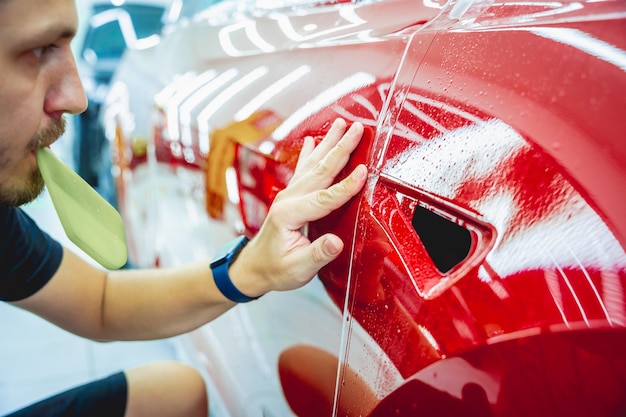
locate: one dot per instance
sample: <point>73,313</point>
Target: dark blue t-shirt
<point>29,257</point>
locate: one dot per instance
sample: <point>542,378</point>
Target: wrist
<point>245,275</point>
<point>221,269</point>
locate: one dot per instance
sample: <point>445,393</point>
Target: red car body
<point>484,272</point>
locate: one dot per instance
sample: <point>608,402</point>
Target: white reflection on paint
<point>322,100</point>
<point>271,91</point>
<point>227,94</point>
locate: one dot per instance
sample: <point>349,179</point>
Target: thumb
<point>325,249</point>
<point>316,256</point>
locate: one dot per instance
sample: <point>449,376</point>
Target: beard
<point>25,190</point>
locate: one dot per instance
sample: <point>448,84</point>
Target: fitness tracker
<point>219,266</point>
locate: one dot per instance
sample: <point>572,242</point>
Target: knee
<point>166,389</point>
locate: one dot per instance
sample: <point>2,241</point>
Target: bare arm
<point>157,303</point>
<point>129,304</point>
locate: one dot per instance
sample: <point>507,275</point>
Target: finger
<point>311,258</point>
<point>322,251</point>
<point>319,203</point>
<point>323,173</point>
<point>304,262</point>
<point>332,137</point>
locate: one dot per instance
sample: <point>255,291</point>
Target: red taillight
<point>260,177</point>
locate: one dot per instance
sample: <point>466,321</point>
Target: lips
<point>49,135</point>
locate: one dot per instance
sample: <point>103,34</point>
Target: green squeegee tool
<point>88,219</point>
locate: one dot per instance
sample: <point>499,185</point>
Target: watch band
<point>220,265</point>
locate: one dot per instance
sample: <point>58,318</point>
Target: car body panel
<point>484,267</point>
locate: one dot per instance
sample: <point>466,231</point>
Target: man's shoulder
<point>29,257</point>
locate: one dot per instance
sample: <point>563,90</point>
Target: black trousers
<point>102,398</point>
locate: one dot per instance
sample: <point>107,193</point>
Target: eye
<point>40,52</point>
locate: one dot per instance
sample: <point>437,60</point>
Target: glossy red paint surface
<point>419,316</point>
<point>391,295</point>
<point>484,272</point>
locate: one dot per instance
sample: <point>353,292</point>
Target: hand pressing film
<point>88,219</point>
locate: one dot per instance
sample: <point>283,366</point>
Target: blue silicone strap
<point>221,276</point>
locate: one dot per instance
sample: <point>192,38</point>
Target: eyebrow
<point>50,34</point>
<point>56,32</point>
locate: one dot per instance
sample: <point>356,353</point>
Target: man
<point>39,85</point>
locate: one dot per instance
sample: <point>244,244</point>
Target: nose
<point>66,93</point>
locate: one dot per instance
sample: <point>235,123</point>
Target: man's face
<point>39,85</point>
